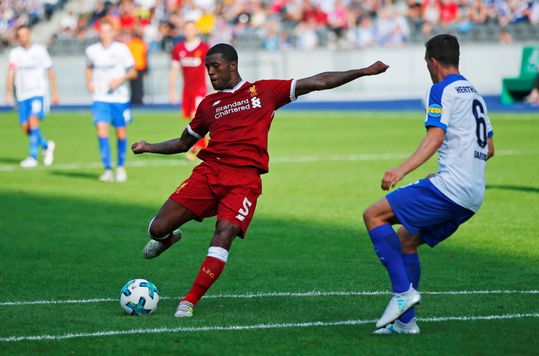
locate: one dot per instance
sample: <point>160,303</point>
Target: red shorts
<point>216,189</point>
<point>190,103</point>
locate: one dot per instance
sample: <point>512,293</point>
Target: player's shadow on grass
<point>9,160</point>
<point>82,175</point>
<point>517,188</point>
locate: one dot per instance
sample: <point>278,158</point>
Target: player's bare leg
<point>378,218</point>
<point>211,268</point>
<point>164,228</point>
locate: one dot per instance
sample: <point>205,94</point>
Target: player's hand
<point>172,97</point>
<point>114,84</point>
<point>55,99</point>
<point>9,99</point>
<point>391,178</point>
<point>376,68</point>
<point>90,86</point>
<point>139,147</point>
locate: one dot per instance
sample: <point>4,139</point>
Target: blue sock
<point>388,248</point>
<point>33,136</point>
<point>122,147</point>
<point>104,150</point>
<point>43,142</point>
<point>413,271</point>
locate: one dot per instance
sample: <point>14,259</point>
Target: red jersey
<point>191,60</point>
<point>239,120</point>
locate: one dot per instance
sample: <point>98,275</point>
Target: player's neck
<point>233,83</point>
<point>106,44</point>
<point>444,72</point>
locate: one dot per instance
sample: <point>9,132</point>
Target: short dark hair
<point>444,48</point>
<point>227,51</point>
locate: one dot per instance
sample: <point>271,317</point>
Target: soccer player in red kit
<point>227,183</point>
<point>189,55</point>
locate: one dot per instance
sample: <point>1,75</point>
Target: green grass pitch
<point>66,236</point>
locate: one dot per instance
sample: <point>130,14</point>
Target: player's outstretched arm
<point>330,80</point>
<point>428,147</point>
<point>176,145</point>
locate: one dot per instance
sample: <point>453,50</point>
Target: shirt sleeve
<point>437,112</point>
<point>89,62</point>
<point>128,60</point>
<point>284,91</point>
<point>47,61</point>
<point>198,126</point>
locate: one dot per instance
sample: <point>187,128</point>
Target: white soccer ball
<point>139,297</point>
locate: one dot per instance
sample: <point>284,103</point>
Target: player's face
<point>23,37</point>
<point>190,31</point>
<point>220,71</point>
<point>106,34</point>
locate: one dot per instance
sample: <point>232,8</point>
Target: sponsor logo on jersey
<point>256,103</point>
<point>190,61</point>
<point>216,102</point>
<point>435,110</point>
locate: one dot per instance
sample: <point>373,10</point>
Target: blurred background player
<point>431,209</point>
<point>189,55</point>
<point>110,66</point>
<point>227,183</point>
<point>27,65</point>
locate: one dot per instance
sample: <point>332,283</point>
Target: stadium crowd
<point>280,24</point>
<point>14,13</point>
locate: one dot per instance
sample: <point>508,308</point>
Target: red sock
<point>209,272</point>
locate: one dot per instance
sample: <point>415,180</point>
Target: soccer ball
<point>139,297</point>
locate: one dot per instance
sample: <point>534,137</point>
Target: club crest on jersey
<point>252,90</point>
<point>435,110</point>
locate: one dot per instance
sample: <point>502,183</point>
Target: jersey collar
<point>239,85</point>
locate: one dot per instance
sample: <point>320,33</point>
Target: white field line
<point>291,159</point>
<point>185,329</point>
<point>272,295</point>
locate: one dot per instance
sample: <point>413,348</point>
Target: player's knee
<point>156,229</point>
<point>369,215</point>
<point>408,246</point>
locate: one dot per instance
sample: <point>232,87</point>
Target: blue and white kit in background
<point>455,106</point>
<point>31,65</point>
<point>110,63</point>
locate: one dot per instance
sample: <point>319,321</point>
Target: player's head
<point>222,66</point>
<point>106,32</point>
<point>190,31</point>
<point>23,35</point>
<point>442,52</point>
